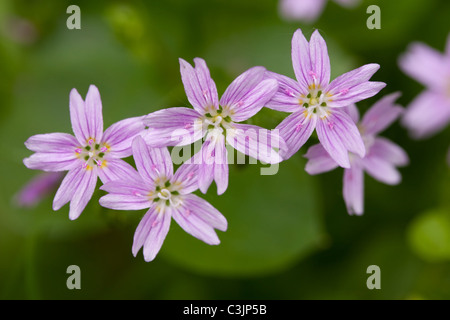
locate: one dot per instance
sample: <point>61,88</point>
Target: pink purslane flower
<point>307,10</point>
<point>381,160</point>
<point>217,121</point>
<point>167,195</point>
<point>317,104</point>
<point>88,154</point>
<point>430,111</point>
<point>37,188</point>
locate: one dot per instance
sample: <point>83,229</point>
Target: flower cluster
<point>315,103</point>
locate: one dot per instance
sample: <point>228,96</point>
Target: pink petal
<point>221,165</point>
<point>320,61</point>
<point>256,142</point>
<point>205,211</point>
<point>391,152</point>
<point>173,127</point>
<point>287,97</point>
<point>295,130</point>
<point>381,115</point>
<point>304,10</point>
<point>116,169</point>
<point>126,195</point>
<point>252,102</point>
<point>338,134</point>
<point>151,163</point>
<point>68,187</point>
<point>195,219</point>
<point>381,169</point>
<point>427,114</point>
<point>187,177</point>
<point>352,111</point>
<point>151,232</point>
<point>199,86</point>
<point>248,93</point>
<point>37,188</point>
<point>353,189</point>
<point>301,60</point>
<point>213,164</point>
<point>86,117</point>
<point>83,192</point>
<point>120,135</point>
<point>425,64</point>
<point>55,152</point>
<point>243,84</point>
<point>52,161</point>
<point>319,160</point>
<point>53,143</point>
<point>94,114</point>
<point>353,86</point>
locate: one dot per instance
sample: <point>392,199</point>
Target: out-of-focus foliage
<point>289,235</point>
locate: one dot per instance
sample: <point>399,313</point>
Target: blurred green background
<point>289,235</point>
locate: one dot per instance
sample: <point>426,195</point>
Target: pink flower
<point>217,121</point>
<point>37,188</point>
<point>380,161</point>
<point>166,195</point>
<point>307,10</point>
<point>317,104</point>
<point>88,154</point>
<point>430,111</point>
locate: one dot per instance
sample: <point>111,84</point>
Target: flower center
<point>92,154</point>
<point>217,119</point>
<point>166,194</point>
<point>315,101</point>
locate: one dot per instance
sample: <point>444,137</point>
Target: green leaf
<point>273,221</point>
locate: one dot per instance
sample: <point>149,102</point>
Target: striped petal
<point>173,127</point>
<point>320,61</point>
<point>353,189</point>
<point>126,195</point>
<point>116,169</point>
<point>319,160</point>
<point>199,86</point>
<point>353,86</point>
<point>151,163</point>
<point>151,232</point>
<point>196,217</point>
<point>287,97</point>
<point>295,130</point>
<point>86,117</point>
<point>381,115</point>
<point>338,134</point>
<point>256,142</point>
<point>120,135</point>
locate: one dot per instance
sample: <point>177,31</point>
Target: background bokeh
<point>289,235</point>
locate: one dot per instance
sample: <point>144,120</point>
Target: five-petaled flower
<point>317,104</point>
<point>217,121</point>
<point>90,154</point>
<point>430,111</point>
<point>167,195</point>
<point>380,161</point>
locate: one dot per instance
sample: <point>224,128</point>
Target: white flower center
<point>92,154</point>
<point>166,194</point>
<point>315,102</point>
<point>217,120</point>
